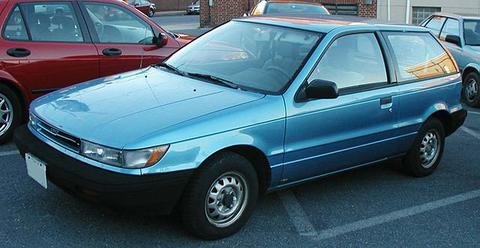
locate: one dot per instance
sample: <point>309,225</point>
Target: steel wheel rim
<point>430,148</point>
<point>471,90</point>
<point>226,199</point>
<point>6,114</point>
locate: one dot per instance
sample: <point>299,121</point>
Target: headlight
<point>128,159</point>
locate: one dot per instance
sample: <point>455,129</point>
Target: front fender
<point>266,137</point>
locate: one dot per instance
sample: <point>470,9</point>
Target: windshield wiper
<point>215,80</point>
<point>172,68</point>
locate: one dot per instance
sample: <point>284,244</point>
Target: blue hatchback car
<point>253,106</point>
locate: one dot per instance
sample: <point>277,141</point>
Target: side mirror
<point>453,39</point>
<point>161,40</point>
<point>321,89</point>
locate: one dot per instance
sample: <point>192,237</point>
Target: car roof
<point>327,23</point>
<point>457,16</point>
<point>293,1</point>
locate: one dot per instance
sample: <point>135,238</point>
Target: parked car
<point>461,34</point>
<point>256,105</point>
<point>287,7</point>
<point>194,8</point>
<point>145,6</point>
<point>47,45</point>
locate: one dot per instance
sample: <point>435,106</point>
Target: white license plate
<point>36,169</point>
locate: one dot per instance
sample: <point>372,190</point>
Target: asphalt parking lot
<point>378,206</point>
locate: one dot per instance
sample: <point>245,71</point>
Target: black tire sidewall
<point>412,160</point>
<point>476,101</point>
<point>17,112</point>
<point>193,202</point>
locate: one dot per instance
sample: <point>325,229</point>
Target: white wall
<point>398,7</point>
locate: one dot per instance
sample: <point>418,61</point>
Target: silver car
<point>461,34</point>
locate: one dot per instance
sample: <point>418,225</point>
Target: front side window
<point>435,24</point>
<point>255,56</point>
<point>295,8</point>
<point>472,32</point>
<point>419,56</point>
<point>114,24</point>
<point>452,27</point>
<point>15,27</point>
<point>352,61</point>
<point>52,21</point>
<point>259,8</point>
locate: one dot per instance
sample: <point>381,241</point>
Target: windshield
<point>472,32</point>
<point>295,8</point>
<point>250,55</point>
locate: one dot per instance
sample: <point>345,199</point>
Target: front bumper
<point>157,192</point>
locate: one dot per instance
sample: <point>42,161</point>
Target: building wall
<point>398,8</point>
<point>166,5</point>
<point>225,10</point>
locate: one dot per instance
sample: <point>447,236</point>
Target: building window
<point>342,9</point>
<point>421,13</point>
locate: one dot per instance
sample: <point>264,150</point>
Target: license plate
<point>36,169</point>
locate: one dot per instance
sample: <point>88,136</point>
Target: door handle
<point>112,52</point>
<point>386,103</point>
<point>18,52</point>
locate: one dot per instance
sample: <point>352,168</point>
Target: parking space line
<point>470,131</point>
<point>297,215</point>
<point>473,113</point>
<point>381,219</point>
<point>8,153</point>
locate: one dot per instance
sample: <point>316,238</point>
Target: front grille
<point>64,139</point>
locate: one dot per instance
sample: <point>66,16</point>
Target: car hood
<point>116,111</point>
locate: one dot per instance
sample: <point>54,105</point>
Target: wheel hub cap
<point>226,199</point>
<point>471,90</point>
<point>429,148</point>
<point>6,114</point>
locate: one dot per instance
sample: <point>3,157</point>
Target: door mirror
<point>161,40</point>
<point>453,39</point>
<point>321,89</point>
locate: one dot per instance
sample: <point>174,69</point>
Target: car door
<point>57,50</point>
<point>123,39</point>
<point>358,127</point>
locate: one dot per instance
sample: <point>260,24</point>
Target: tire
<point>222,172</point>
<point>471,90</point>
<point>427,150</point>
<point>10,113</point>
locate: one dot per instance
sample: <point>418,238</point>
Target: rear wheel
<point>10,113</point>
<point>471,91</point>
<point>425,154</point>
<point>221,197</point>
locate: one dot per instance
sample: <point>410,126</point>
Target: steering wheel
<point>278,69</point>
<point>99,28</point>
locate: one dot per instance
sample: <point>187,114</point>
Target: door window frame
<point>387,60</point>
<point>93,31</point>
<point>76,11</point>
<point>445,23</point>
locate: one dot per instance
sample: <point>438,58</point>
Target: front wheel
<point>150,13</point>
<point>471,91</point>
<point>426,152</point>
<point>221,197</point>
<point>10,113</point>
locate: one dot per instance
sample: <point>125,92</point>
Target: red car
<point>145,6</point>
<point>47,45</point>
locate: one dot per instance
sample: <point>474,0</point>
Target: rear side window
<point>435,24</point>
<point>352,61</point>
<point>419,56</point>
<point>452,27</point>
<point>52,21</point>
<point>15,27</point>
